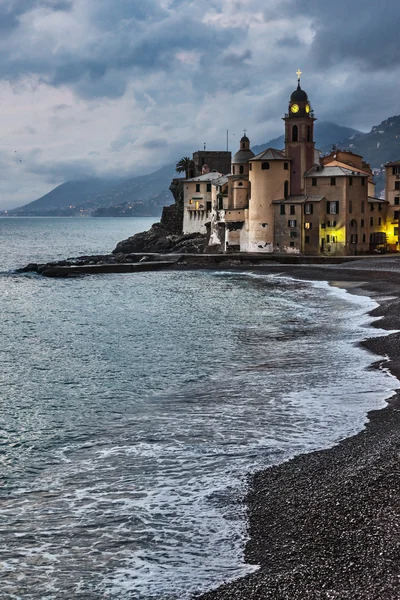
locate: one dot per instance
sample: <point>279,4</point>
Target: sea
<point>134,406</point>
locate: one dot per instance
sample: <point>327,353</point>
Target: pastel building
<point>293,200</point>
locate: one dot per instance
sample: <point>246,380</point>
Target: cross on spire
<point>298,73</point>
<point>244,131</point>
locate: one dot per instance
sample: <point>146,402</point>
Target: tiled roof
<point>299,199</point>
<point>271,154</point>
<point>336,171</point>
<point>395,163</point>
<point>221,180</point>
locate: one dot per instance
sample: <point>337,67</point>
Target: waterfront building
<point>294,200</point>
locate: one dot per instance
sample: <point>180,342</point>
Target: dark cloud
<point>237,59</point>
<point>290,42</point>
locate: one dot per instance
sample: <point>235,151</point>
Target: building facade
<point>294,200</point>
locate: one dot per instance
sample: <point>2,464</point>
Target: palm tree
<point>184,166</point>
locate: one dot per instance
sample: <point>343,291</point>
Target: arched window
<point>240,183</point>
<point>295,133</point>
<point>265,166</point>
<point>241,169</point>
<point>308,134</point>
<point>233,170</point>
<point>286,189</point>
<point>243,146</point>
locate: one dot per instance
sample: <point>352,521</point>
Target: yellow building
<point>295,201</point>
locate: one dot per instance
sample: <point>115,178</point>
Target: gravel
<point>326,525</point>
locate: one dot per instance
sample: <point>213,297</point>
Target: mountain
<point>145,195</point>
<point>379,146</point>
<point>68,194</point>
<point>326,134</point>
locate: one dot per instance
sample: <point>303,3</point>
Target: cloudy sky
<point>121,87</point>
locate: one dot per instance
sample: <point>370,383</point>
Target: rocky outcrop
<point>160,239</point>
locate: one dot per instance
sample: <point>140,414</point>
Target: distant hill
<point>326,134</point>
<point>379,146</point>
<point>146,195</point>
<point>70,193</point>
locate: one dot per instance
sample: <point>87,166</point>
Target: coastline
<point>325,524</point>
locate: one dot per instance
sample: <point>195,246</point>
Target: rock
<point>160,239</point>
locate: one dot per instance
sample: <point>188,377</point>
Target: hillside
<point>146,195</point>
<point>379,146</point>
<point>326,134</point>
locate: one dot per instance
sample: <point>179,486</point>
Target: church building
<point>293,200</point>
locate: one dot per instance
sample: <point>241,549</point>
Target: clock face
<point>307,108</point>
<point>295,108</point>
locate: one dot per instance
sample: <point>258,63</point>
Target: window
<point>397,200</point>
<point>197,205</point>
<point>292,209</point>
<point>395,170</point>
<point>396,215</point>
<point>332,208</point>
<point>243,146</point>
<point>350,181</point>
<point>295,133</point>
<point>208,187</point>
<point>240,184</point>
<point>308,209</point>
<point>208,206</point>
<point>396,231</point>
<point>362,206</point>
<point>362,180</point>
<point>371,221</point>
<point>380,207</point>
<point>286,166</point>
<point>371,207</point>
<point>333,180</point>
<point>197,187</point>
<point>363,238</point>
<point>397,185</point>
<point>362,222</point>
<point>292,244</point>
<point>331,223</point>
<point>307,239</point>
<point>233,169</point>
<point>292,223</point>
<point>328,238</point>
<point>241,169</point>
<point>353,238</point>
<point>220,203</point>
<point>350,206</point>
<point>283,209</point>
<point>307,225</point>
<point>293,234</point>
<point>250,166</point>
<point>286,189</point>
<point>308,134</point>
<point>265,166</point>
<point>314,181</point>
<point>190,201</point>
<point>379,221</point>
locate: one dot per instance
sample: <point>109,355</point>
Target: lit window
<point>197,205</point>
<point>307,225</point>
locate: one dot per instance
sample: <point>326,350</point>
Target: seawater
<point>133,406</point>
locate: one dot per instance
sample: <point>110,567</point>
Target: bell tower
<point>299,137</point>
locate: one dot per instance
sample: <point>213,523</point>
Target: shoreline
<point>325,524</point>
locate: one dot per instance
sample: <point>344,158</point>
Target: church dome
<point>242,156</point>
<point>299,95</point>
<point>245,139</point>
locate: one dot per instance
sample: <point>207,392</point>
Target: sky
<point>118,88</point>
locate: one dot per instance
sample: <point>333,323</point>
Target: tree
<point>184,166</point>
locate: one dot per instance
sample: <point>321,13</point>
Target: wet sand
<point>326,525</point>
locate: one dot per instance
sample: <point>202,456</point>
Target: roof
<point>339,163</point>
<point>242,156</point>
<point>207,177</point>
<point>334,171</point>
<point>299,95</point>
<point>379,200</point>
<point>299,199</point>
<point>271,154</point>
<point>394,163</point>
<point>221,180</point>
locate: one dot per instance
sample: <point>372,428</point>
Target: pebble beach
<point>326,525</point>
